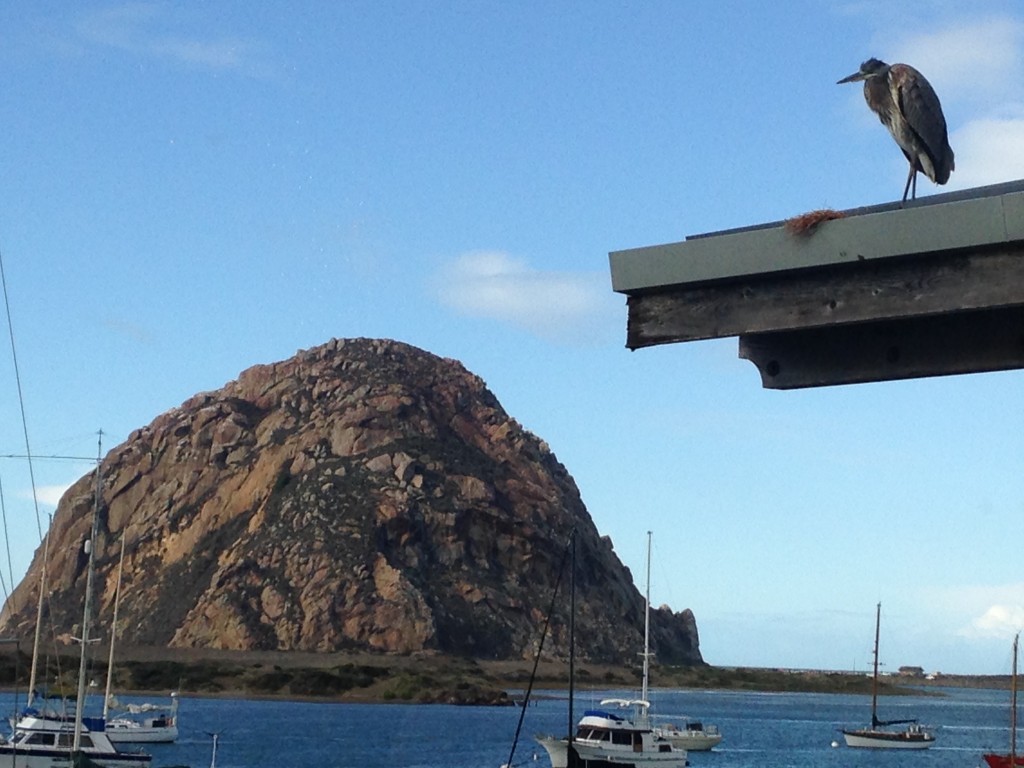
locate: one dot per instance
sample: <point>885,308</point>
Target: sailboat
<point>693,736</point>
<point>151,729</point>
<point>42,740</point>
<point>914,736</point>
<point>603,738</point>
<point>1012,759</point>
<point>158,728</point>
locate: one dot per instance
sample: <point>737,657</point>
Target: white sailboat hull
<point>910,739</point>
<point>691,741</point>
<point>914,736</point>
<point>131,732</point>
<point>698,743</point>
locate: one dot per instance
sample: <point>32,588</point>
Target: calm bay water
<point>778,730</point>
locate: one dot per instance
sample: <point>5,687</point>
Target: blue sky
<point>190,189</point>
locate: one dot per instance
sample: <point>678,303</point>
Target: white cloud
<point>128,329</point>
<point>976,61</point>
<point>981,611</point>
<point>139,28</point>
<point>567,306</point>
<point>996,621</point>
<point>989,150</point>
<point>47,494</point>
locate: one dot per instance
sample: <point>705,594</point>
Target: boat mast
<point>90,546</point>
<point>113,631</point>
<point>572,633</point>
<point>874,676</point>
<point>1013,705</point>
<point>39,619</point>
<point>647,626</point>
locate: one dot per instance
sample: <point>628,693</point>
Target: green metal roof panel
<point>1013,209</point>
<point>959,220</point>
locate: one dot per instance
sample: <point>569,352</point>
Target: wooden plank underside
<point>947,344</point>
<point>929,284</point>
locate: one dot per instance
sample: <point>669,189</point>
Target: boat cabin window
<point>622,737</point>
<point>68,740</point>
<point>593,734</point>
<point>45,739</point>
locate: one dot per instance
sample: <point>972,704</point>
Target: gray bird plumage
<point>906,104</point>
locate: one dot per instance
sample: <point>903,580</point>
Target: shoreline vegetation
<point>426,678</point>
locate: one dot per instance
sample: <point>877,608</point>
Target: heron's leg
<point>911,177</point>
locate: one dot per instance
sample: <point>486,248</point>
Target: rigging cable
<point>540,646</point>
<point>35,495</point>
<point>7,541</point>
<point>21,397</point>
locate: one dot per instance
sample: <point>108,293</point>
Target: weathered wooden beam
<point>968,342</point>
<point>930,289</point>
<point>882,290</point>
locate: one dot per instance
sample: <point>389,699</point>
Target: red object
<point>1003,761</point>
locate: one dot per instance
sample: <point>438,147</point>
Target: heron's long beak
<point>852,78</point>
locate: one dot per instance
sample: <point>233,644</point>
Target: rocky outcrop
<point>362,495</point>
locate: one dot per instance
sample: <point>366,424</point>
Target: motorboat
<point>46,742</point>
<point>604,738</point>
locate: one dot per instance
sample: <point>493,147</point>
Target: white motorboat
<point>44,742</point>
<point>877,736</point>
<point>604,738</point>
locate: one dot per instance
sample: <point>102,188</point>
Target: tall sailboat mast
<point>90,546</point>
<point>647,623</point>
<point>1013,704</point>
<point>33,673</point>
<point>572,633</point>
<point>113,631</point>
<point>874,674</point>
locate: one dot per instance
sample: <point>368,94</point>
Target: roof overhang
<point>881,293</point>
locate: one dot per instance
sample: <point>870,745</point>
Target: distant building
<point>912,671</point>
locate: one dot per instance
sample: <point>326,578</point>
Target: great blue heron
<point>907,105</point>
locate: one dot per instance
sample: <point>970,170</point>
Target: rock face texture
<point>362,495</point>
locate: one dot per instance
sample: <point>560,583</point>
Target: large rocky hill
<point>362,495</point>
